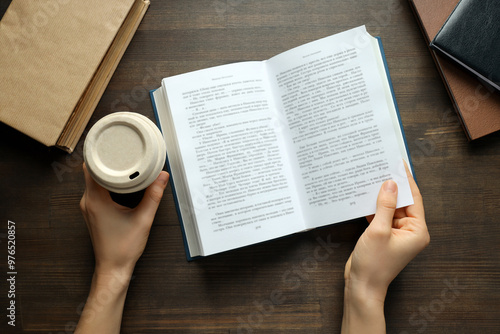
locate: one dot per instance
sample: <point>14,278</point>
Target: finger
<point>404,223</point>
<point>347,268</point>
<point>400,213</point>
<point>386,206</point>
<point>83,205</point>
<point>152,197</point>
<point>417,209</point>
<point>93,189</point>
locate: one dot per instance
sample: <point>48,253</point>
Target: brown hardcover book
<point>477,105</point>
<point>56,60</point>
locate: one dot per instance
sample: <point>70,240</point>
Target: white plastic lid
<point>124,152</point>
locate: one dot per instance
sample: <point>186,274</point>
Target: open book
<point>262,149</point>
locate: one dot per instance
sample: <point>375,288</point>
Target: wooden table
<point>451,287</point>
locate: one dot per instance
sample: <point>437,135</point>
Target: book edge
<point>391,87</point>
<point>172,185</point>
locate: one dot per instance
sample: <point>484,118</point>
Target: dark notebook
<point>471,37</point>
<point>477,106</point>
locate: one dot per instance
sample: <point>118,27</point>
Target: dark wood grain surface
<point>451,287</point>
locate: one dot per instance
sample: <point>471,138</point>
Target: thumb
<point>386,205</point>
<point>152,197</point>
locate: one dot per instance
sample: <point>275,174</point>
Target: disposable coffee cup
<point>124,152</point>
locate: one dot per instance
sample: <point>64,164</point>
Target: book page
<point>234,158</point>
<point>339,111</point>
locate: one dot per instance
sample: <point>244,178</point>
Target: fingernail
<point>390,186</point>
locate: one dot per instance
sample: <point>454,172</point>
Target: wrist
<point>364,293</point>
<point>116,278</point>
<point>103,310</point>
<point>363,309</point>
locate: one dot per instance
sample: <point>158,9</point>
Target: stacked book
<point>464,37</point>
<point>56,60</point>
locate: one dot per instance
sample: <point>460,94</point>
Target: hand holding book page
<point>263,149</point>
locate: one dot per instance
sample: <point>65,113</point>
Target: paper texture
<point>50,53</point>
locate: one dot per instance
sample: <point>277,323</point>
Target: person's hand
<point>391,240</point>
<point>119,234</point>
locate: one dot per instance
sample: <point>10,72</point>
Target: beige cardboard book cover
<point>56,59</point>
